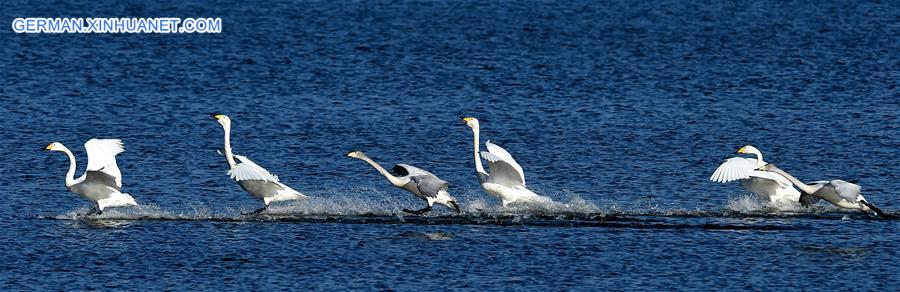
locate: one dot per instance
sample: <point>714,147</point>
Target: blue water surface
<point>618,110</point>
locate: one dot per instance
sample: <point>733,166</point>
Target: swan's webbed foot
<point>868,216</point>
<point>94,211</point>
<point>455,207</point>
<point>418,212</point>
<point>257,212</point>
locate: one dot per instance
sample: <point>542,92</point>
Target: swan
<point>766,185</point>
<point>420,183</point>
<point>101,182</point>
<point>837,192</point>
<point>253,178</point>
<point>506,180</point>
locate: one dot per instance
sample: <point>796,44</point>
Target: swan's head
<point>471,122</point>
<point>222,119</point>
<point>748,150</point>
<point>356,154</point>
<point>55,146</point>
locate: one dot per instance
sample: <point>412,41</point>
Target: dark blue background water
<point>618,110</point>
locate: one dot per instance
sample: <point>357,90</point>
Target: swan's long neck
<point>800,185</point>
<point>70,176</point>
<point>479,169</point>
<point>228,155</point>
<point>759,159</point>
<point>393,179</point>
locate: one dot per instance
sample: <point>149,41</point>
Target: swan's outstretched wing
<point>733,169</point>
<point>504,169</point>
<point>737,168</point>
<point>429,185</point>
<point>247,170</point>
<point>102,157</point>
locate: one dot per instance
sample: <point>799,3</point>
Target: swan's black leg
<point>418,212</point>
<point>878,213</point>
<point>94,211</point>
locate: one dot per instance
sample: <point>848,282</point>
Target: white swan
<point>506,180</point>
<point>766,185</point>
<point>420,183</point>
<point>253,178</point>
<point>101,182</point>
<point>837,192</point>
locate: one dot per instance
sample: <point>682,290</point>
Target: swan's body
<point>837,192</point>
<point>420,183</point>
<point>506,180</point>
<point>766,185</point>
<point>253,178</point>
<point>102,180</point>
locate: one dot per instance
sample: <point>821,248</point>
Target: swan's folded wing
<point>429,185</point>
<point>406,169</point>
<point>247,170</point>
<point>733,169</point>
<point>102,157</point>
<point>778,178</point>
<point>503,173</point>
<point>848,191</point>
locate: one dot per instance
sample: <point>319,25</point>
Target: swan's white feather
<point>102,157</point>
<point>733,169</point>
<point>781,180</point>
<point>247,170</point>
<point>738,168</point>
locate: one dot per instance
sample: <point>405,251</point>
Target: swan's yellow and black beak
<point>48,147</point>
<point>742,150</point>
<point>217,116</point>
<point>466,119</point>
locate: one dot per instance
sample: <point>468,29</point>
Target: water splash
<point>366,205</point>
<point>750,204</point>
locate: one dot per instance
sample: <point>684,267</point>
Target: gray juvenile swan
<point>837,192</point>
<point>102,181</point>
<point>253,178</point>
<point>420,183</point>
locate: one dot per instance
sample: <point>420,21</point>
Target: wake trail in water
<point>573,213</point>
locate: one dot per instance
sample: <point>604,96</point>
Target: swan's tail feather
<point>129,199</point>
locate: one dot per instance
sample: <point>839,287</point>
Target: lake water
<point>618,110</point>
